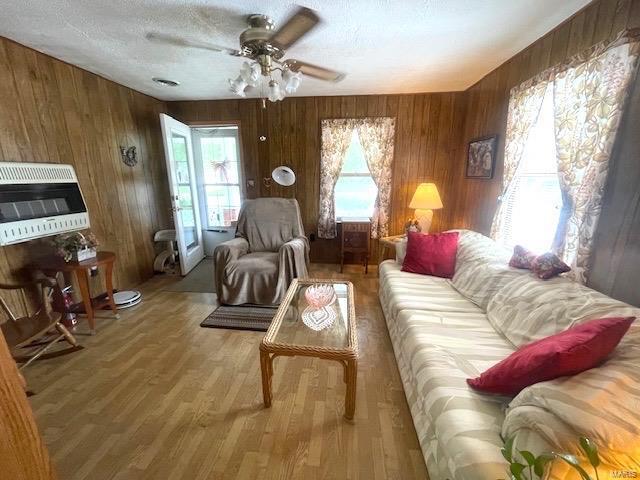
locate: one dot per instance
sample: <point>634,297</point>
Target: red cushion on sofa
<point>431,254</point>
<point>575,350</point>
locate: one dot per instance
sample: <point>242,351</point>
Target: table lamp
<point>425,201</point>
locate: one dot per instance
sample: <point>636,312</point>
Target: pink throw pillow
<point>431,254</point>
<point>575,350</point>
<point>548,265</point>
<point>522,258</point>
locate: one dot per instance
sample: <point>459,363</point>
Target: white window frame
<point>352,175</point>
<point>224,131</point>
<point>521,175</point>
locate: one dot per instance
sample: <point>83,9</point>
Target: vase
<point>83,254</point>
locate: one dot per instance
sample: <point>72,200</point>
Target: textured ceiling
<point>385,46</point>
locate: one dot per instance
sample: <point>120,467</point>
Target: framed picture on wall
<point>481,158</point>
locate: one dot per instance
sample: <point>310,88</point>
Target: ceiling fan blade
<point>298,25</point>
<point>314,70</point>
<point>185,42</point>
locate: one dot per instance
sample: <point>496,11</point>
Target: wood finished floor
<point>155,396</point>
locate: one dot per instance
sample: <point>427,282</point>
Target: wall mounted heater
<point>38,200</point>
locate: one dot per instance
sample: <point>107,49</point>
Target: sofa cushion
<point>481,268</point>
<point>526,308</point>
<point>548,265</point>
<point>431,254</point>
<point>402,290</point>
<point>459,429</point>
<point>600,403</point>
<point>569,352</point>
<point>521,258</point>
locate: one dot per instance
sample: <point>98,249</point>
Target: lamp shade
<point>426,197</point>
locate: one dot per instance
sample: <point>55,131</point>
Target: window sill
<point>353,219</point>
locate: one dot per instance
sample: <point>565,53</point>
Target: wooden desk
<point>51,265</point>
<point>355,238</point>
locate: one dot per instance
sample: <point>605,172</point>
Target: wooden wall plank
<point>54,112</point>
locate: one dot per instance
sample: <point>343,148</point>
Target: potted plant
<point>523,465</point>
<point>75,246</point>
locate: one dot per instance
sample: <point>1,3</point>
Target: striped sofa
<point>444,331</point>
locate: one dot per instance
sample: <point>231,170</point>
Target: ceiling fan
<point>264,47</point>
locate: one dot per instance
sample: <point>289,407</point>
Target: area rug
<point>200,279</point>
<point>240,318</point>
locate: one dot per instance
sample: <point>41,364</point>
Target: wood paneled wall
<point>486,114</point>
<point>486,109</point>
<point>428,140</point>
<point>51,111</point>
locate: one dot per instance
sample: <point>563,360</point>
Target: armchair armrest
<point>224,254</point>
<point>231,249</point>
<point>294,258</point>
<point>297,243</point>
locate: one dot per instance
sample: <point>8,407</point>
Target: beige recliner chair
<point>269,251</point>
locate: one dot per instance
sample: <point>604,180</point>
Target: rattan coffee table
<point>300,330</point>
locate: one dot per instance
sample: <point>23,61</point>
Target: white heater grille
<point>17,232</point>
<point>27,213</point>
<point>36,173</point>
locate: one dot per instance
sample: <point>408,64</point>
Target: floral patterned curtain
<point>589,98</point>
<point>525,103</point>
<point>336,137</point>
<point>377,139</point>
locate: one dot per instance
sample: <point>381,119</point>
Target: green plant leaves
<point>538,465</point>
<point>573,461</point>
<point>528,457</point>
<point>541,462</point>
<point>591,449</point>
<point>507,450</point>
<point>516,469</point>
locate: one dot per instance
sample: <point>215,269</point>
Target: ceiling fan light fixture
<point>250,73</point>
<point>291,80</point>
<point>238,86</point>
<point>275,94</point>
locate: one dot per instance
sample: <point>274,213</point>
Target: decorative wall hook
<point>129,156</point>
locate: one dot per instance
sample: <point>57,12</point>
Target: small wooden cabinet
<point>356,238</point>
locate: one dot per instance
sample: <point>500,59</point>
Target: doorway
<point>219,179</point>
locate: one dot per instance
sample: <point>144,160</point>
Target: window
<point>535,200</point>
<point>218,150</point>
<point>355,191</point>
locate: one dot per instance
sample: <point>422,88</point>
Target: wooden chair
<point>37,331</point>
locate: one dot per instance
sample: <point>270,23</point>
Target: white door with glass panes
<point>184,193</point>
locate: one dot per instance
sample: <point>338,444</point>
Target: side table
<point>51,265</point>
<point>388,243</point>
<point>355,238</point>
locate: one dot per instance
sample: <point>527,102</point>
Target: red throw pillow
<point>431,254</point>
<point>548,265</point>
<point>575,350</point>
<point>522,258</point>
